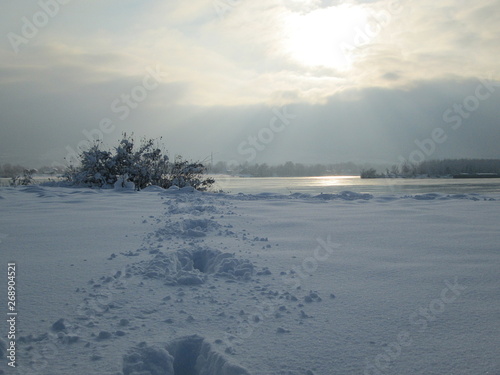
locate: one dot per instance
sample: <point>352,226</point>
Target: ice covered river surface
<point>336,184</point>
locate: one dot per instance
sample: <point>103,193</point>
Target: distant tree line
<point>288,169</point>
<point>428,168</point>
<point>18,174</point>
<point>435,168</point>
<point>8,170</point>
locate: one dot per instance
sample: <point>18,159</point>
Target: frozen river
<point>335,184</point>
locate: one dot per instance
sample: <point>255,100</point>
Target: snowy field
<point>179,282</point>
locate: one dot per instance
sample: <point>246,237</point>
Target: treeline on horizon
<point>9,170</point>
<point>429,168</point>
<point>288,169</point>
<point>436,168</point>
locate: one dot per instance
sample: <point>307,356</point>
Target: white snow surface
<point>119,282</point>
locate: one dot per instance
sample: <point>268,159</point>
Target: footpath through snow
<point>188,283</point>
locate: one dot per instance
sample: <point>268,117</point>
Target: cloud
<point>225,72</point>
<point>246,56</point>
<point>433,41</point>
<point>354,125</point>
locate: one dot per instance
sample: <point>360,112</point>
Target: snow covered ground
<point>179,282</point>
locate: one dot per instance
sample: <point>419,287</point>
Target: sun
<point>323,37</point>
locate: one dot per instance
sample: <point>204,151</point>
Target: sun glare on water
<point>321,37</point>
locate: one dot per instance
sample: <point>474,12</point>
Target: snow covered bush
<point>183,173</point>
<point>25,179</point>
<point>143,166</point>
<point>95,169</point>
<point>369,173</point>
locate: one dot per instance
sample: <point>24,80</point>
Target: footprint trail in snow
<point>183,303</point>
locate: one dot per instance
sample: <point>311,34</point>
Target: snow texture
<point>122,183</point>
<point>190,355</point>
<point>191,267</point>
<point>181,282</point>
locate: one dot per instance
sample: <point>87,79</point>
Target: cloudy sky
<point>258,81</point>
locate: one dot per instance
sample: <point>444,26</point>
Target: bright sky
<point>63,64</point>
